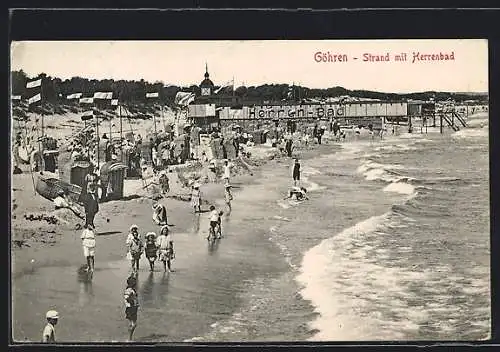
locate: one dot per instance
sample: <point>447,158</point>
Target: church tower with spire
<point>206,86</point>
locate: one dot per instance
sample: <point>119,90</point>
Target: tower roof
<point>207,82</point>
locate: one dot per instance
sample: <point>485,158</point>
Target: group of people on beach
<point>150,245</point>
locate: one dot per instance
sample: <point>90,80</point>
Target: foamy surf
<point>356,294</point>
<point>400,187</point>
<point>317,274</point>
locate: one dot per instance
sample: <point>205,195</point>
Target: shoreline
<point>54,237</point>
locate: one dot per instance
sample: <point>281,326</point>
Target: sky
<point>259,62</point>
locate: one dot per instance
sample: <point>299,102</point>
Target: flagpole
<point>97,133</point>
<point>41,99</point>
<point>121,130</point>
<point>154,122</point>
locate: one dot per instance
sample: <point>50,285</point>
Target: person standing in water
<point>228,197</point>
<point>131,305</point>
<point>151,249</point>
<point>165,245</point>
<point>49,332</point>
<point>196,198</point>
<point>296,172</point>
<point>88,243</point>
<point>135,247</point>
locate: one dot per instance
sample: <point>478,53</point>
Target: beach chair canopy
<point>112,166</point>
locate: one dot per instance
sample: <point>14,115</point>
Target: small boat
<point>48,187</point>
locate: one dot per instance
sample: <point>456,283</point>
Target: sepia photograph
<point>249,191</point>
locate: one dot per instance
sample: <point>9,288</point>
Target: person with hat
<point>49,332</point>
<point>214,228</point>
<point>88,244</point>
<point>159,214</point>
<point>150,249</point>
<point>164,182</point>
<point>228,197</point>
<point>196,197</point>
<point>135,247</point>
<point>131,304</point>
<point>165,245</point>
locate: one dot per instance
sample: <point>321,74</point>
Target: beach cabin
<point>145,150</point>
<point>72,172</point>
<point>203,116</point>
<point>112,180</point>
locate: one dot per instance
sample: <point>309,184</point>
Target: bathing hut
<point>112,178</point>
<point>145,150</point>
<point>71,171</point>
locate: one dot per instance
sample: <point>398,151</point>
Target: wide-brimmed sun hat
<point>150,234</point>
<point>52,314</point>
<point>134,227</point>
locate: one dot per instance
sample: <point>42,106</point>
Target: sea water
<point>392,245</point>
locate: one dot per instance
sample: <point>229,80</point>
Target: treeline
<point>134,92</point>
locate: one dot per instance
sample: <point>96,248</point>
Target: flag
<point>74,96</point>
<point>34,84</point>
<point>86,100</point>
<point>152,95</point>
<point>114,102</point>
<point>103,95</point>
<point>227,85</point>
<point>35,98</point>
<point>183,98</point>
<point>16,97</point>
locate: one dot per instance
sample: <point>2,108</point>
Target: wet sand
<point>175,306</point>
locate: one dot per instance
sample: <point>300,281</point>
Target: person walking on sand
<point>296,172</point>
<point>159,214</point>
<point>228,197</point>
<point>151,249</point>
<point>288,146</point>
<point>91,208</point>
<point>164,182</point>
<point>196,197</point>
<point>88,244</point>
<point>135,248</point>
<point>49,332</point>
<point>227,171</point>
<point>131,305</point>
<point>165,245</point>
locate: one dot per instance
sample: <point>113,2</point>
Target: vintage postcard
<point>224,191</point>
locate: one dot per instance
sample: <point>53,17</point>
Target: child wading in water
<point>228,197</point>
<point>135,247</point>
<point>88,244</point>
<point>131,305</point>
<point>196,198</point>
<point>151,249</point>
<point>165,245</point>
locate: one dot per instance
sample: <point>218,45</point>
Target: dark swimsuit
<point>296,172</point>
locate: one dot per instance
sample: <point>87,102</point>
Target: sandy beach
<point>264,281</point>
